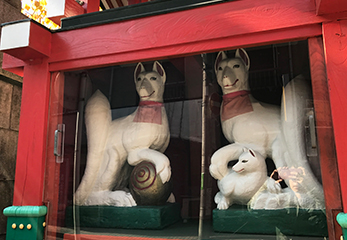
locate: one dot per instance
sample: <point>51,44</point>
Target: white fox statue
<point>275,132</point>
<point>246,178</point>
<point>142,135</point>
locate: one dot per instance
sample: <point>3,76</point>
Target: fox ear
<point>251,152</point>
<point>221,56</point>
<point>157,67</point>
<point>139,69</point>
<point>241,53</point>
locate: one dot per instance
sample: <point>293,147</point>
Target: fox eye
<point>220,68</point>
<point>244,161</point>
<point>236,66</point>
<point>138,79</point>
<point>153,78</point>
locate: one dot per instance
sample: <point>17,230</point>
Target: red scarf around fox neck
<point>235,104</point>
<point>149,112</point>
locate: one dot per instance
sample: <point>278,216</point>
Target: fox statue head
<point>150,84</point>
<point>232,73</point>
<point>250,161</point>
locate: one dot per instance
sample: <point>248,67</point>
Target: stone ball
<point>146,186</point>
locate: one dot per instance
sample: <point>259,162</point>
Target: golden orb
<point>146,186</point>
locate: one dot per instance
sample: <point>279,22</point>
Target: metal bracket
<point>310,133</point>
<point>59,137</point>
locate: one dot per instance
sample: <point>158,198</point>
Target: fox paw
<point>122,199</point>
<point>111,198</point>
<point>223,204</point>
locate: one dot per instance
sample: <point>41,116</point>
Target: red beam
<point>12,64</point>
<point>221,24</point>
<point>249,40</point>
<point>32,41</point>
<point>219,21</point>
<point>330,6</point>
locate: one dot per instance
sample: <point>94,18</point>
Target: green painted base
<point>342,220</point>
<point>139,217</point>
<point>25,222</point>
<point>294,222</point>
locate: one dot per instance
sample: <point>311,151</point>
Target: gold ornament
<point>146,186</point>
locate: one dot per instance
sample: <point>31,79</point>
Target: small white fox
<point>244,180</point>
<point>143,135</point>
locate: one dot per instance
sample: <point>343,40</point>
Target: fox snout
<point>228,72</point>
<point>145,84</point>
<point>228,77</point>
<point>238,169</point>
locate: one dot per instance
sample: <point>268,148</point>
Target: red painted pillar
<point>335,47</point>
<point>31,153</point>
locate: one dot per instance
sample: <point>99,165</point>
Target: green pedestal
<point>139,217</point>
<point>294,222</point>
<point>25,222</point>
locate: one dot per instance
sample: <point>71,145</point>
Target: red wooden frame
<point>328,162</point>
<point>207,29</point>
<point>31,154</point>
<point>335,43</point>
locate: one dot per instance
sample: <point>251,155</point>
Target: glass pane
<point>116,142</point>
<point>245,168</point>
<point>261,145</point>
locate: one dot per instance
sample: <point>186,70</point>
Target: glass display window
<point>231,170</point>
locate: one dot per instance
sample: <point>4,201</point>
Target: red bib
<point>149,112</point>
<point>235,103</point>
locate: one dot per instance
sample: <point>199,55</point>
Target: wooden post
<point>335,46</point>
<point>30,166</point>
<point>325,134</point>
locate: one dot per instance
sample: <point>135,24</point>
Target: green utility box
<point>25,222</point>
<point>341,218</point>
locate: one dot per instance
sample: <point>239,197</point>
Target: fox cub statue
<point>141,136</point>
<point>246,178</point>
<point>273,131</point>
